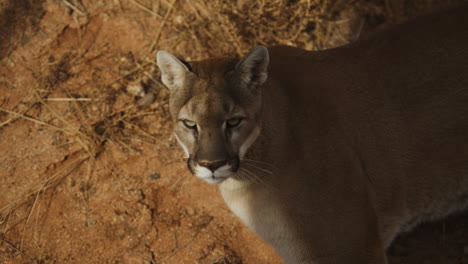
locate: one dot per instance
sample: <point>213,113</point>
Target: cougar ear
<point>173,71</point>
<point>252,69</point>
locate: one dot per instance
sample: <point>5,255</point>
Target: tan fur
<point>355,144</point>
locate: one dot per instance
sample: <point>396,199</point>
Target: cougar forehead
<point>212,92</point>
<point>210,107</point>
<point>204,86</point>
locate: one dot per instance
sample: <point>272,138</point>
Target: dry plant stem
<point>6,122</point>
<point>41,186</point>
<point>183,176</point>
<point>35,120</point>
<point>163,23</point>
<point>91,163</point>
<point>139,140</point>
<point>81,138</point>
<point>328,33</point>
<point>89,143</point>
<point>9,120</point>
<point>179,248</point>
<point>125,145</point>
<point>75,8</point>
<point>81,114</point>
<point>141,114</point>
<point>70,99</point>
<point>59,117</point>
<point>301,25</point>
<point>144,133</point>
<point>145,72</point>
<point>29,215</point>
<point>80,34</point>
<point>15,248</point>
<point>136,69</point>
<point>125,110</point>
<point>146,9</point>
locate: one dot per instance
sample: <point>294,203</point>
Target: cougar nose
<point>212,165</point>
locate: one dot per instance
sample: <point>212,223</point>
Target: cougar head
<point>215,107</point>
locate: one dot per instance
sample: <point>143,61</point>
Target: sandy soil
<point>88,175</point>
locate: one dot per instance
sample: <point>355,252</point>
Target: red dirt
<point>102,180</point>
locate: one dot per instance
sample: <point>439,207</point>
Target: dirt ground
<point>89,170</point>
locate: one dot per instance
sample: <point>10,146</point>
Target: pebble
<point>136,89</point>
<point>116,86</point>
<point>190,211</point>
<point>147,99</point>
<point>155,176</point>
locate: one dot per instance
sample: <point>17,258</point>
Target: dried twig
<point>180,248</point>
<point>146,9</point>
<point>35,120</point>
<point>70,99</point>
<point>40,187</point>
<point>83,13</point>
<point>15,248</point>
<point>163,23</point>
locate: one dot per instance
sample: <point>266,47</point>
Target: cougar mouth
<point>213,176</point>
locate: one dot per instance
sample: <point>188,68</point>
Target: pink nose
<point>212,166</point>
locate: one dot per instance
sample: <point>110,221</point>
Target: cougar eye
<point>189,124</point>
<point>233,122</point>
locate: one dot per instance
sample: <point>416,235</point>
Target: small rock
<point>90,223</point>
<point>190,211</point>
<point>465,250</point>
<point>155,176</point>
<point>116,86</point>
<point>148,99</point>
<point>179,20</point>
<point>136,89</point>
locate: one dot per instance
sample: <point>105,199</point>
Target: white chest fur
<point>259,210</point>
<point>240,200</point>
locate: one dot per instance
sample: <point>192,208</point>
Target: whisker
<point>245,175</point>
<point>259,168</point>
<point>177,181</point>
<point>244,172</point>
<point>257,161</point>
<point>257,178</point>
<point>250,176</point>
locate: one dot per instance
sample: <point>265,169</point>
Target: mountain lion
<point>329,155</point>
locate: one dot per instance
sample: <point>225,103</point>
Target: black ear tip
<point>262,49</point>
<point>259,53</point>
<point>189,67</point>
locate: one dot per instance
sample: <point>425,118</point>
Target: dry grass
<point>200,28</point>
